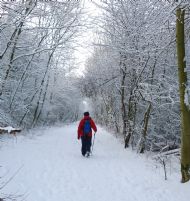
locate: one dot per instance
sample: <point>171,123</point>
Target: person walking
<point>85,128</point>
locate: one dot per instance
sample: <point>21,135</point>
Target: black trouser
<point>86,144</point>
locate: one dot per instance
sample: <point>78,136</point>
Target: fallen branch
<point>175,152</point>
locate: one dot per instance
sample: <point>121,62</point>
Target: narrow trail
<point>52,169</point>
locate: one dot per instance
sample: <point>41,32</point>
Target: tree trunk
<point>41,90</point>
<point>123,94</point>
<point>141,147</point>
<point>14,40</point>
<point>128,122</point>
<point>185,112</point>
<point>123,105</point>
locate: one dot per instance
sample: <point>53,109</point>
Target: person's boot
<point>87,154</point>
<point>83,155</point>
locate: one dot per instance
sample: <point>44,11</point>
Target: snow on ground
<point>51,168</point>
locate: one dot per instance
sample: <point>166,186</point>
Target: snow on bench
<point>9,130</point>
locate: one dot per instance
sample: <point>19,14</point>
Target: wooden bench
<point>9,130</point>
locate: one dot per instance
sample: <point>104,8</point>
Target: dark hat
<point>86,114</point>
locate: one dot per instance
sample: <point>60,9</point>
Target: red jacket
<point>81,126</point>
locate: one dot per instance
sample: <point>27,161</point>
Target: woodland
<point>137,77</point>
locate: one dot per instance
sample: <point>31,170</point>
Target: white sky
<point>84,51</point>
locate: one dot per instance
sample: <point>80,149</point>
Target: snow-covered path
<point>52,169</point>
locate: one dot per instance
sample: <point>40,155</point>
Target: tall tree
<point>183,89</point>
<point>37,42</point>
<point>137,42</point>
